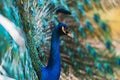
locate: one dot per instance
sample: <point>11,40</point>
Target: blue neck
<point>54,63</point>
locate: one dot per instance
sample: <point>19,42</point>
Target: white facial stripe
<point>63,29</point>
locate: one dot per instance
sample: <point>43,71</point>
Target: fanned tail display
<point>26,28</point>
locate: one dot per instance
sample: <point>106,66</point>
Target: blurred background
<point>25,35</point>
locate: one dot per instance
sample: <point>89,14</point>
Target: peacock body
<point>26,28</point>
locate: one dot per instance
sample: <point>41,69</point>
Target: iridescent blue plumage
<point>104,26</point>
<point>81,9</point>
<point>53,69</point>
<point>82,31</point>
<point>96,17</point>
<point>118,61</point>
<point>91,50</point>
<point>108,44</point>
<point>74,14</point>
<point>87,2</point>
<point>89,26</point>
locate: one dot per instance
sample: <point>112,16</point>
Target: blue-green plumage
<point>33,18</point>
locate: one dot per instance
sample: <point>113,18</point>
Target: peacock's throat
<point>54,63</point>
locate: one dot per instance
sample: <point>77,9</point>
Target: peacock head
<point>62,28</point>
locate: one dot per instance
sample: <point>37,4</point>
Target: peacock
<point>30,32</point>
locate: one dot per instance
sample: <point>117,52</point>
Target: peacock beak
<point>70,35</point>
<point>67,32</point>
